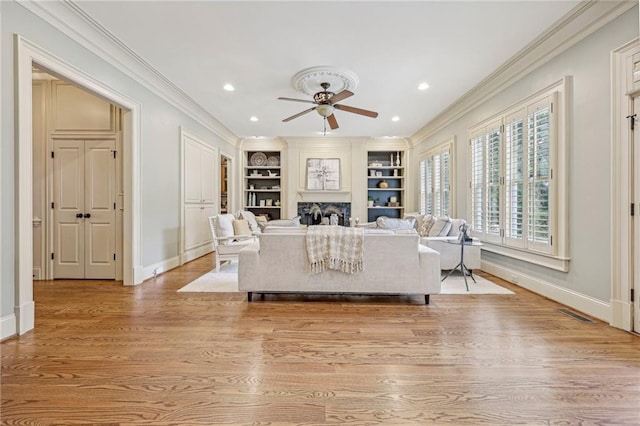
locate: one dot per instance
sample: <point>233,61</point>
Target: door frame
<point>622,196</point>
<point>28,53</point>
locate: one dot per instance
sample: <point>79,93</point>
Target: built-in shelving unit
<point>263,183</point>
<point>385,184</point>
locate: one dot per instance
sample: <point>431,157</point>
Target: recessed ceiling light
<point>228,87</point>
<point>395,118</point>
<point>423,86</point>
<point>253,118</point>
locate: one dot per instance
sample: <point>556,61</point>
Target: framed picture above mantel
<point>323,174</point>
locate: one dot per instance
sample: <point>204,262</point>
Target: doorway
<point>27,56</point>
<point>225,194</point>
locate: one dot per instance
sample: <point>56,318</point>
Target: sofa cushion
<point>441,227</point>
<point>419,218</point>
<point>385,222</point>
<point>285,222</point>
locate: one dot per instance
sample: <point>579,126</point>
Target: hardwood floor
<point>106,354</point>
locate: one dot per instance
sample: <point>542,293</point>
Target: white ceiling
<point>391,47</point>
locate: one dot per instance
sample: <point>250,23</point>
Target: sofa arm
<point>248,266</point>
<point>429,269</point>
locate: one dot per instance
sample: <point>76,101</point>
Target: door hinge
<point>114,154</point>
<point>551,240</point>
<point>53,205</point>
<point>114,206</point>
<point>114,256</point>
<point>53,155</point>
<point>633,209</point>
<point>551,107</point>
<point>52,256</point>
<point>633,296</point>
<point>632,121</point>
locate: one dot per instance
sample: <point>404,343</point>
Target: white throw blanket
<point>334,247</point>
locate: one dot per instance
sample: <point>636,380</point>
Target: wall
<point>587,284</point>
<point>160,146</point>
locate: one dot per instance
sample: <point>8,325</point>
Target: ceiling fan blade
<point>297,100</point>
<point>298,114</point>
<point>354,110</point>
<point>340,96</point>
<point>333,123</point>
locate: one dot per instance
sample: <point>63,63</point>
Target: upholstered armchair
<point>229,236</point>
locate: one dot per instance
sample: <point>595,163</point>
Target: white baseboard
<point>158,268</point>
<point>580,302</point>
<point>197,252</point>
<point>8,326</point>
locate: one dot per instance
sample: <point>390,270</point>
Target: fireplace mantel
<point>324,195</point>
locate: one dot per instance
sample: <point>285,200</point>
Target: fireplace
<point>320,213</point>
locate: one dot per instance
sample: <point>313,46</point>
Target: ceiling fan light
<point>325,110</point>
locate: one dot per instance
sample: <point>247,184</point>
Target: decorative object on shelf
<point>372,172</point>
<point>273,161</point>
<point>252,186</point>
<point>383,184</point>
<point>262,203</point>
<point>397,159</point>
<point>276,187</point>
<point>369,202</point>
<point>395,172</point>
<point>333,219</point>
<point>378,173</point>
<point>323,174</point>
<point>393,199</point>
<point>391,162</point>
<point>272,174</point>
<point>258,159</point>
<point>375,164</point>
<point>269,202</point>
<point>277,203</point>
<point>255,173</point>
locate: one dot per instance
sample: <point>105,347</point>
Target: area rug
<point>226,281</point>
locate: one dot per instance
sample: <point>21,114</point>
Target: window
<point>435,181</point>
<point>511,177</point>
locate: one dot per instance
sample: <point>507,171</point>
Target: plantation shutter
<point>539,124</point>
<point>423,187</point>
<point>493,174</point>
<point>446,182</point>
<point>515,185</point>
<point>437,183</point>
<point>477,183</point>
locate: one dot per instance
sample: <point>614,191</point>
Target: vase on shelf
<point>397,159</point>
<point>383,184</point>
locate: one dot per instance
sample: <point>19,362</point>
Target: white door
<point>84,197</point>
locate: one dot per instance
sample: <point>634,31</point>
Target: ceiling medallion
<point>310,80</point>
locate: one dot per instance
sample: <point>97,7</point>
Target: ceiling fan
<point>326,103</point>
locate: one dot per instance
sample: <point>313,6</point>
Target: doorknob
<point>79,215</point>
<point>87,215</point>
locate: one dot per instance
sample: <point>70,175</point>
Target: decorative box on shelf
<point>393,204</point>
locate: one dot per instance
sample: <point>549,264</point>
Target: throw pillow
<point>455,227</point>
<point>250,218</point>
<point>441,227</point>
<point>419,218</point>
<point>426,225</point>
<point>385,222</point>
<point>224,226</point>
<point>241,227</point>
<point>368,225</point>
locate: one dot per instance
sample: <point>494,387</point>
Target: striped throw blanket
<point>334,247</point>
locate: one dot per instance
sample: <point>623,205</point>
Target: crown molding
<point>71,20</point>
<point>583,20</point>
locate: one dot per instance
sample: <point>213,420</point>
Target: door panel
<point>636,221</point>
<point>100,197</point>
<point>209,176</point>
<point>68,201</point>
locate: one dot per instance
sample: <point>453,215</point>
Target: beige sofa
<point>393,263</point>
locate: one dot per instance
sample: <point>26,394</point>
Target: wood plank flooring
<point>105,354</point>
